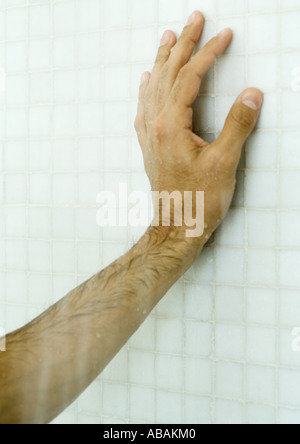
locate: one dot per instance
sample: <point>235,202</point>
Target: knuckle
<point>242,119</point>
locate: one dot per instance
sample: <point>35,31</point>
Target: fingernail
<point>165,38</point>
<point>253,100</point>
<point>223,32</point>
<point>192,18</point>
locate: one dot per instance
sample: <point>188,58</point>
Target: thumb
<point>240,122</point>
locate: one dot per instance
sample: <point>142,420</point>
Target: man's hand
<point>176,158</point>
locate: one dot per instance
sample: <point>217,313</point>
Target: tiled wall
<point>218,348</point>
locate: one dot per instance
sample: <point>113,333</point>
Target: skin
<point>50,361</point>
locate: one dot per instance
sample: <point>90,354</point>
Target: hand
<point>175,158</point>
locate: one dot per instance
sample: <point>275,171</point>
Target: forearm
<point>49,362</point>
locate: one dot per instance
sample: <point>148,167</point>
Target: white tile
<point>90,119</point>
<point>89,15</point>
<point>39,20</point>
<point>289,232</point>
<point>115,115</point>
<point>289,387</point>
<point>64,17</point>
<point>238,26</point>
<point>169,372</point>
<point>16,90</point>
<point>117,369</point>
<point>39,54</point>
<point>288,417</point>
<point>229,380</point>
<point>261,228</point>
<point>290,33</point>
<point>115,153</point>
<point>90,85</point>
<point>289,109</point>
<point>261,267</point>
<point>64,120</point>
<point>261,189</point>
<point>261,150</point>
<point>289,307</point>
<point>197,410</point>
<point>16,56</point>
<point>39,154</point>
<point>39,188</point>
<point>142,13</point>
<point>40,121</point>
<point>229,265</point>
<point>207,8</point>
<point>266,25</point>
<point>198,301</point>
<point>63,223</point>
<point>16,122</point>
<point>232,230</point>
<point>39,256</point>
<point>62,285</point>
<point>90,50</point>
<point>63,257</point>
<point>89,154</point>
<point>144,45</point>
<point>289,182</point>
<point>88,258</point>
<point>116,81</point>
<point>289,268</point>
<point>169,407</point>
<point>116,46</point>
<point>16,23</point>
<point>15,188</point>
<point>230,7</point>
<point>114,399</point>
<point>289,153</point>
<point>63,189</point>
<point>64,86</point>
<point>63,154</point>
<point>171,11</point>
<point>169,336</point>
<point>40,88</point>
<point>229,341</point>
<point>262,70</point>
<point>228,412</point>
<point>261,5</point>
<point>261,345</point>
<point>289,78</point>
<point>35,295</point>
<point>260,414</point>
<point>63,52</point>
<point>16,288</point>
<point>88,188</point>
<point>198,338</point>
<point>229,304</point>
<point>268,118</point>
<point>39,223</point>
<point>15,222</point>
<point>90,400</point>
<point>288,346</point>
<point>231,75</point>
<point>261,384</point>
<point>87,228</point>
<point>261,306</point>
<point>291,4</point>
<point>111,19</point>
<point>142,404</point>
<point>141,368</point>
<point>15,155</point>
<point>198,375</point>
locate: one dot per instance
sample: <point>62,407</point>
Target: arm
<point>49,362</point>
